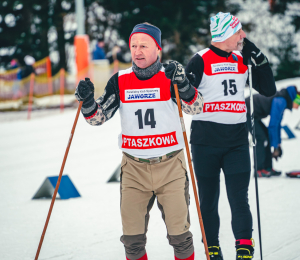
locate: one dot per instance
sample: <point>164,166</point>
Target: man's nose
<point>138,49</point>
<point>243,34</point>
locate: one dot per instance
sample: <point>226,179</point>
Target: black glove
<point>250,50</point>
<point>175,72</point>
<point>85,91</point>
<point>277,153</point>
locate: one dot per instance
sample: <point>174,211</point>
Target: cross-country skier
<point>270,138</point>
<point>219,135</point>
<point>153,164</point>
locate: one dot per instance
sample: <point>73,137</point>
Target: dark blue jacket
<point>279,104</point>
<point>98,53</point>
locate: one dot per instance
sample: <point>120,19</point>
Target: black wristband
<point>89,105</point>
<point>184,86</point>
<point>188,95</point>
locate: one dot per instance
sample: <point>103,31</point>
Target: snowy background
<point>89,227</point>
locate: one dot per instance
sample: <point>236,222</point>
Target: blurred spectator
<point>99,53</point>
<point>118,54</point>
<point>24,62</point>
<point>268,140</point>
<point>14,64</point>
<point>28,68</point>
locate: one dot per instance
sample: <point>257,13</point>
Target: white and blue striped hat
<point>223,26</point>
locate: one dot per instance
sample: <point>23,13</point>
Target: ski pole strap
<point>243,242</point>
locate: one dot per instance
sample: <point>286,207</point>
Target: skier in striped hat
<point>219,136</point>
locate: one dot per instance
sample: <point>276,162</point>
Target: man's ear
<point>159,54</point>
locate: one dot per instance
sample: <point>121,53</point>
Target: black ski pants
<point>235,163</point>
<point>263,149</point>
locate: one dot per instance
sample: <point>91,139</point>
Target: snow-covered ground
<point>89,227</point>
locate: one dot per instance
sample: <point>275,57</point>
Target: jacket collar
<point>219,52</point>
<point>147,73</point>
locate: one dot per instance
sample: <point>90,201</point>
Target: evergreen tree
<point>284,6</point>
<point>272,26</point>
<point>15,31</point>
<point>23,28</point>
<point>101,23</point>
<point>287,52</point>
<point>60,9</point>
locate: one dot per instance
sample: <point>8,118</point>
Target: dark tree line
<point>25,26</point>
<point>287,53</point>
<point>184,24</point>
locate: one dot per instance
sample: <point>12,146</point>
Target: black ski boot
<point>215,253</point>
<point>244,249</point>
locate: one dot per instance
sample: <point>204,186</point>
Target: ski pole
<point>191,172</point>
<point>253,144</point>
<point>58,182</point>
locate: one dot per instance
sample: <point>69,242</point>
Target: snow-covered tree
<point>275,33</point>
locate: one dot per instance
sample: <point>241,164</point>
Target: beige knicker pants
<point>141,183</point>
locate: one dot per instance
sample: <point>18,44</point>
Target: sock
<point>192,257</point>
<point>144,257</point>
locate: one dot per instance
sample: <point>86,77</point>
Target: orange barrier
<point>15,93</point>
<point>82,56</point>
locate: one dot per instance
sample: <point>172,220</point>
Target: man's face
<point>101,44</point>
<point>143,49</point>
<point>235,42</point>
